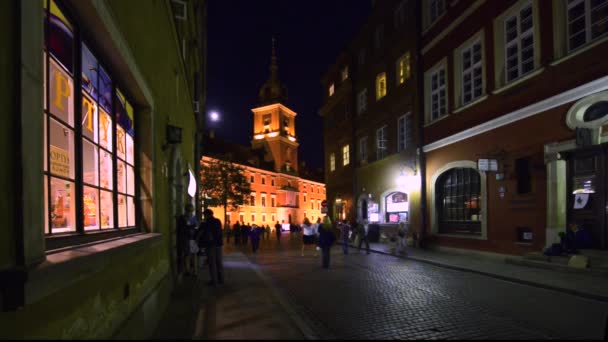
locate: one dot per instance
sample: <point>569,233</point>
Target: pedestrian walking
<point>326,240</point>
<point>236,231</point>
<point>401,238</point>
<point>363,235</point>
<point>277,228</point>
<point>185,231</point>
<point>344,235</point>
<point>308,236</point>
<point>267,232</point>
<point>254,237</point>
<point>227,230</point>
<point>211,234</point>
<point>244,233</point>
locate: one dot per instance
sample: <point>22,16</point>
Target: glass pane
<point>44,143</point>
<point>105,131</point>
<point>130,180</point>
<point>120,143</point>
<point>121,177</point>
<point>61,87</point>
<point>90,163</point>
<point>45,80</point>
<point>105,90</point>
<point>106,210</point>
<point>89,73</point>
<point>61,151</point>
<point>89,118</point>
<point>130,150</point>
<point>122,211</point>
<point>124,113</point>
<point>90,207</point>
<point>131,211</point>
<point>105,169</point>
<point>61,39</point>
<point>62,206</point>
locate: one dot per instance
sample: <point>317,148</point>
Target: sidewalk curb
<point>497,276</point>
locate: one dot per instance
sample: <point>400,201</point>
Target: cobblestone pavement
<point>382,297</point>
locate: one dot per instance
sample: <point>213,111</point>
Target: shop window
<point>106,136</point>
<point>403,69</point>
<point>524,178</point>
<point>380,86</point>
<point>458,198</point>
<point>397,207</point>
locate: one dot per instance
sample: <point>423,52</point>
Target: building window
<point>267,119</point>
<point>471,79</point>
<point>263,200</point>
<point>346,155</point>
<point>397,207</point>
<point>436,9</point>
<point>318,205</point>
<point>273,218</point>
<point>436,83</point>
<point>361,57</point>
<point>524,177</point>
<point>519,40</point>
<point>106,132</point>
<point>252,199</point>
<point>252,178</point>
<point>399,18</point>
<point>331,90</point>
<point>363,149</point>
<point>263,217</point>
<point>272,181</point>
<point>312,205</point>
<point>381,143</point>
<point>404,132</point>
<point>305,195</point>
<point>332,162</point>
<point>378,37</point>
<point>380,86</point>
<point>403,69</point>
<point>458,197</point>
<point>362,101</point>
<point>252,217</point>
<point>242,217</point>
<point>587,21</point>
<point>345,73</point>
<point>273,200</point>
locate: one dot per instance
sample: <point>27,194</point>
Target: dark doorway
<point>586,192</point>
<point>364,210</point>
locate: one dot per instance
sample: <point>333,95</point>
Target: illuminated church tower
<point>274,124</point>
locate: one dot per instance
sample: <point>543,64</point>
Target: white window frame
<point>517,42</point>
<point>402,132</point>
<point>362,101</point>
<point>471,71</point>
<point>435,72</point>
<point>436,9</point>
<point>381,143</point>
<point>588,23</point>
<point>346,154</point>
<point>332,162</point>
<point>363,153</point>
<point>273,201</point>
<point>263,198</point>
<point>253,194</point>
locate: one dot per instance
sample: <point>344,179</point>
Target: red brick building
<point>514,83</point>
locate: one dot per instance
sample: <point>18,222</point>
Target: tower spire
<point>273,91</point>
<point>274,67</point>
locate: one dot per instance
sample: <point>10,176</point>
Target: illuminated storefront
<point>89,137</point>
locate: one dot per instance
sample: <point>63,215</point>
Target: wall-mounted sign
<point>60,162</point>
<point>487,165</point>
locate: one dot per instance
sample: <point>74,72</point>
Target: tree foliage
<point>224,184</point>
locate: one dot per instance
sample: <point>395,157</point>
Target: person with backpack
<point>326,240</point>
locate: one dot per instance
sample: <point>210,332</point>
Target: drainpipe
<point>420,106</point>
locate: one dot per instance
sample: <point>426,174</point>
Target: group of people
<point>193,238</point>
<point>360,231</point>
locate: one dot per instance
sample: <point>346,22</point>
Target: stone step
<point>539,256</point>
<point>522,261</point>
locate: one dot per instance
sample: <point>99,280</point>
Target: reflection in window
<point>121,177</point>
<point>90,164</point>
<point>458,194</point>
<point>131,211</point>
<point>106,209</point>
<point>105,170</point>
<point>90,208</point>
<point>63,204</point>
<point>122,211</point>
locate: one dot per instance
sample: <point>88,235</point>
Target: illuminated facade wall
<point>278,197</point>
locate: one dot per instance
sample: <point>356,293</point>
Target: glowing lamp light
<point>215,116</point>
<point>292,138</point>
<point>408,183</point>
<point>259,137</point>
<point>273,134</point>
<point>192,184</point>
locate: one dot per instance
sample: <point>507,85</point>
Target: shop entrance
<point>587,191</point>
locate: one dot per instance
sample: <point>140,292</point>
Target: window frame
<point>363,152</point>
<point>332,162</point>
<point>435,70</point>
<point>455,219</point>
<point>402,144</point>
<point>381,142</point>
<point>588,24</point>
<point>471,70</point>
<point>515,13</point>
<point>404,71</point>
<point>346,155</point>
<point>381,86</point>
<point>362,101</point>
<point>80,233</point>
<point>440,10</point>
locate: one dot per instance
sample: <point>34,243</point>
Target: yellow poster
<point>60,162</point>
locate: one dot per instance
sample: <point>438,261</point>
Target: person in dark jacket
<point>254,235</point>
<point>278,231</point>
<point>326,240</point>
<point>344,235</point>
<point>186,227</point>
<point>237,233</point>
<point>244,234</point>
<point>211,234</point>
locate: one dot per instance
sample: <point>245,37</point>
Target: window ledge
<point>437,120</point>
<point>470,104</point>
<point>65,267</point>
<point>579,51</point>
<point>518,81</point>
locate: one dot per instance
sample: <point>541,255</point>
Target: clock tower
<point>274,126</point>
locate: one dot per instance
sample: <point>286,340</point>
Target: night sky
<point>310,35</point>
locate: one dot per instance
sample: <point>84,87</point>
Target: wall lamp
<point>173,136</point>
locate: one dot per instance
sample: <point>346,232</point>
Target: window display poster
<point>60,162</point>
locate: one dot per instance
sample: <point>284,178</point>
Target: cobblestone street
<point>382,297</point>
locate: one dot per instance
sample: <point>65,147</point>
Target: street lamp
<point>214,116</point>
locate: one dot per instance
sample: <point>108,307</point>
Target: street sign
<point>324,204</point>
